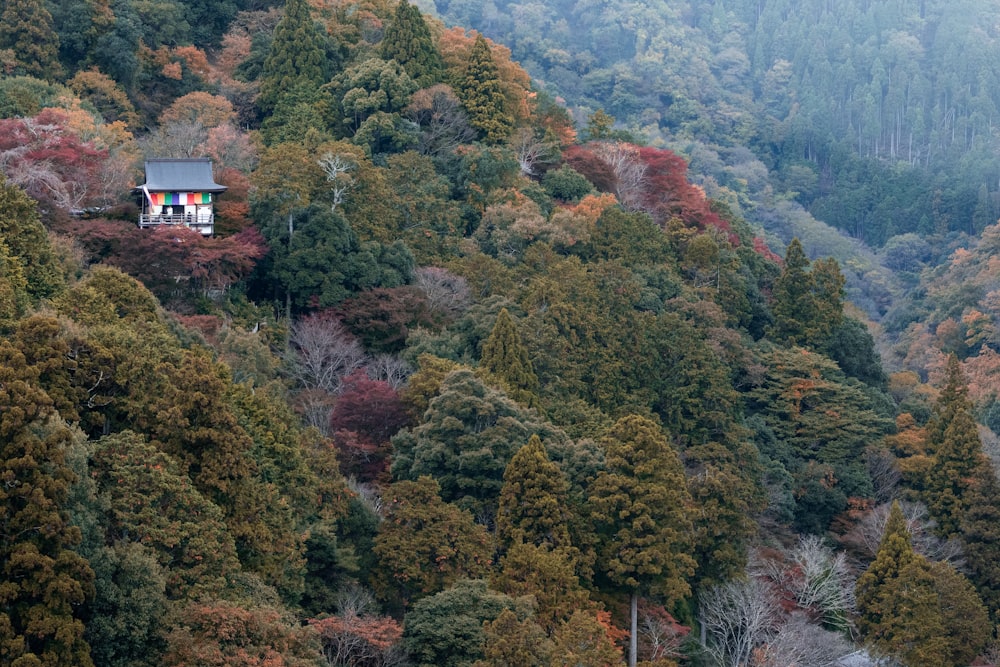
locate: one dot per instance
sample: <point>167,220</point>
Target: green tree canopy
<point>425,545</point>
<point>505,358</point>
<point>446,629</point>
<point>43,581</point>
<point>482,95</point>
<point>533,506</point>
<point>807,304</point>
<point>955,450</point>
<point>300,55</point>
<point>408,41</point>
<point>27,242</point>
<point>26,29</point>
<point>468,435</point>
<point>640,507</point>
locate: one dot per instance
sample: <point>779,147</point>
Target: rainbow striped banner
<point>180,198</point>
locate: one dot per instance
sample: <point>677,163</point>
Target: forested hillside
<point>470,374</point>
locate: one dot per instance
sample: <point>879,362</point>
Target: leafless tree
<point>446,293</point>
<point>629,171</point>
<point>659,634</point>
<point>884,473</point>
<point>186,138</point>
<point>531,149</point>
<point>357,636</point>
<point>823,583</point>
<point>114,177</point>
<point>368,494</point>
<point>337,168</point>
<point>800,643</point>
<point>389,368</point>
<point>736,618</point>
<point>322,353</point>
<point>443,122</point>
<point>353,599</point>
<point>315,407</point>
<point>870,529</point>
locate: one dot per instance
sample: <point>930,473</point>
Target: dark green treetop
<point>408,41</point>
<point>481,92</point>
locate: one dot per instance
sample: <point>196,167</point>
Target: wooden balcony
<point>202,223</point>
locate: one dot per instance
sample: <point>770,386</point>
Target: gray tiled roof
<point>181,175</point>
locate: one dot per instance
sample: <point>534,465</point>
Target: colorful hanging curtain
<point>180,198</point>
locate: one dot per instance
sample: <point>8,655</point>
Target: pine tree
<point>408,41</point>
<point>26,29</point>
<point>43,582</point>
<point>481,92</point>
<point>955,450</point>
<point>639,506</point>
<point>299,56</point>
<point>505,358</point>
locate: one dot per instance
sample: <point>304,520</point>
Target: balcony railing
<point>201,223</point>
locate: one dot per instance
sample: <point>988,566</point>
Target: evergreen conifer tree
<point>299,56</point>
<point>481,92</point>
<point>43,582</point>
<point>533,500</point>
<point>895,552</point>
<point>27,241</point>
<point>921,612</point>
<point>639,507</point>
<point>505,358</point>
<point>956,453</point>
<point>408,41</point>
<point>26,29</point>
<point>792,303</point>
<point>980,534</point>
<point>807,301</point>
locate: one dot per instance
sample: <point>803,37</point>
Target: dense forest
<point>569,334</point>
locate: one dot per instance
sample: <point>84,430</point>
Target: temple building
<point>179,191</point>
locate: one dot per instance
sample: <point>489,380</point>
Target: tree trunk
<point>633,639</point>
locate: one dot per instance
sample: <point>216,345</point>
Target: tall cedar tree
<point>922,612</point>
<point>299,56</point>
<point>408,41</point>
<point>807,305</point>
<point>533,500</point>
<point>43,582</point>
<point>639,507</point>
<point>26,29</point>
<point>981,536</point>
<point>13,287</point>
<point>505,358</point>
<point>895,552</point>
<point>481,92</point>
<point>956,453</point>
